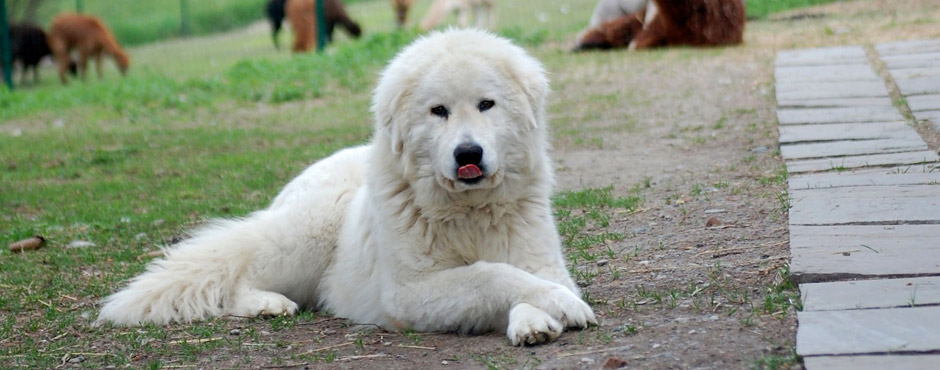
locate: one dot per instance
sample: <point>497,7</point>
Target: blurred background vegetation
<point>136,22</point>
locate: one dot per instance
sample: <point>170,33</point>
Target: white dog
<point>482,12</point>
<point>442,223</point>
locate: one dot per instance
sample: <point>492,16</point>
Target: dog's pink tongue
<point>470,171</point>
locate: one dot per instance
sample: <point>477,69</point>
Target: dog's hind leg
<point>207,275</point>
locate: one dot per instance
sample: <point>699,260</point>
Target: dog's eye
<point>485,105</point>
<point>440,111</point>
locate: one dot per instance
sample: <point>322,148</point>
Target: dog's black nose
<point>468,153</point>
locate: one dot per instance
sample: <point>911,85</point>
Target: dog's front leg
<point>486,296</point>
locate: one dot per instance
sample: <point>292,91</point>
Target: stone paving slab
<point>825,253</point>
<point>921,85</point>
<point>860,161</point>
<point>821,91</point>
<point>851,147</point>
<point>844,72</point>
<point>911,60</point>
<point>894,362</point>
<point>900,176</point>
<point>923,102</point>
<point>847,131</point>
<point>932,116</point>
<point>802,86</point>
<point>868,331</point>
<point>864,294</point>
<point>884,204</point>
<point>837,115</point>
<point>903,73</point>
<point>822,56</point>
<point>883,101</point>
<point>908,47</point>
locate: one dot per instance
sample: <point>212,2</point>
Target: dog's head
<point>464,110</point>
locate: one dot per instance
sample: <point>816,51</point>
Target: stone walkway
<point>865,198</point>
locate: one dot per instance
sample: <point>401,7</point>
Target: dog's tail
<point>196,279</point>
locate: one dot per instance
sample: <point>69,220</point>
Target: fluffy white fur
<point>482,12</point>
<point>386,233</point>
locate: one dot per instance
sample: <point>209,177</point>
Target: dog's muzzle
<point>469,157</point>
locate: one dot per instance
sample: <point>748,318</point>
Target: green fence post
<point>79,6</point>
<point>321,26</point>
<point>185,27</point>
<point>6,49</point>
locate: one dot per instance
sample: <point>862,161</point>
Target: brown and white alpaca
<point>672,22</point>
<point>90,37</point>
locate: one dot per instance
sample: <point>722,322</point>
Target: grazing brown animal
<point>90,37</point>
<point>334,13</point>
<point>401,10</point>
<point>303,21</point>
<point>673,22</point>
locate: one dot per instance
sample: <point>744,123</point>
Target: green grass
<point>763,8</point>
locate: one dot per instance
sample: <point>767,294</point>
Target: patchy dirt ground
<point>693,134</point>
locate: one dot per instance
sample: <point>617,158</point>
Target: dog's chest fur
<point>469,234</point>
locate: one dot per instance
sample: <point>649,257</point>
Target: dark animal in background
<point>87,35</point>
<point>29,46</point>
<point>673,22</point>
<point>334,13</point>
<point>693,22</point>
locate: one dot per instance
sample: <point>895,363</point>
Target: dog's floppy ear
<point>530,77</point>
<point>387,104</point>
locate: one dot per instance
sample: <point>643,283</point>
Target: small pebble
<point>80,244</point>
<point>602,262</point>
<point>235,332</point>
<point>587,360</point>
<point>615,363</point>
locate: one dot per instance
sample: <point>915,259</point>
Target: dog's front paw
<point>529,325</point>
<point>262,303</point>
<point>566,307</point>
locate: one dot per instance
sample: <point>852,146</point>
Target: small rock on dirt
<point>712,222</point>
<point>615,363</point>
<point>714,211</point>
<point>35,242</point>
<point>587,360</point>
<point>81,244</point>
<point>602,262</point>
<point>77,359</point>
